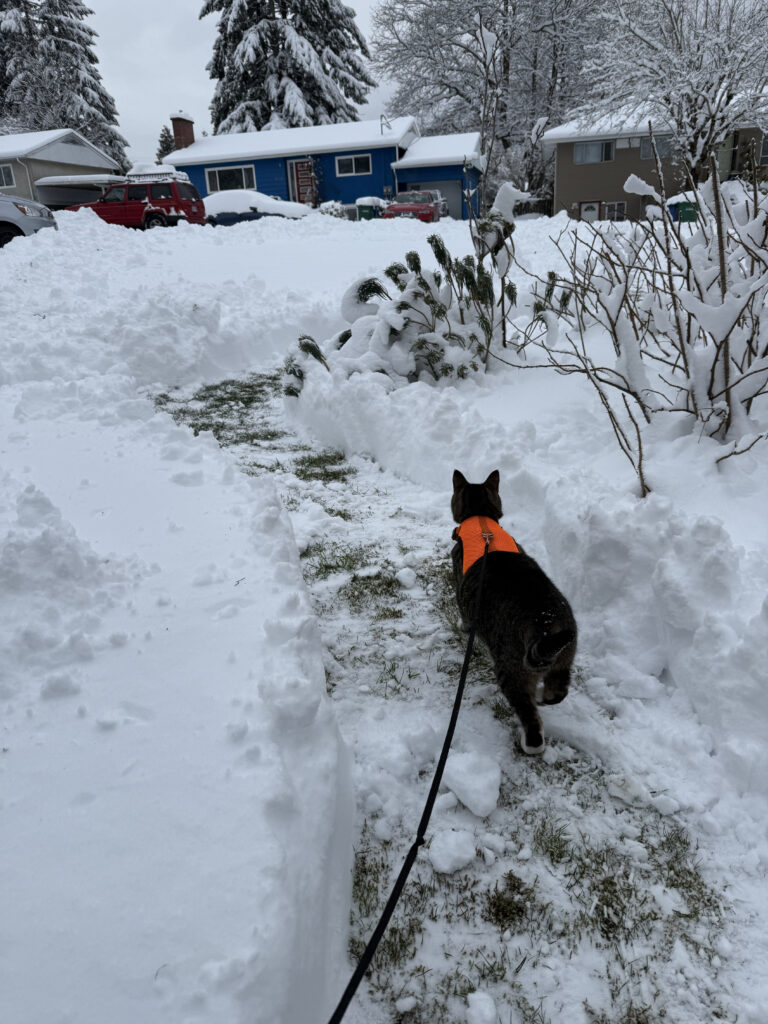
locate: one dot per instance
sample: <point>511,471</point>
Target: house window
<point>346,166</point>
<point>615,211</point>
<point>593,152</point>
<point>224,178</point>
<point>663,145</point>
<point>764,152</point>
<point>6,176</point>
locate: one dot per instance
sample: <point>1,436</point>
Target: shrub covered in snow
<point>415,324</point>
<point>684,309</point>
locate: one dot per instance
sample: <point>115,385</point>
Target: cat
<point>522,617</point>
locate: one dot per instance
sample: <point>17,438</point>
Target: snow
<point>244,200</point>
<point>452,849</point>
<point>618,124</point>
<point>180,796</point>
<point>481,1009</point>
<point>438,150</point>
<point>475,779</point>
<point>326,138</point>
<point>22,143</point>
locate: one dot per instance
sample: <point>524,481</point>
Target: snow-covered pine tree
<point>285,64</point>
<point>60,86</point>
<point>18,40</point>
<point>695,68</point>
<point>165,143</point>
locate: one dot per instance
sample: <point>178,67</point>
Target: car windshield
<point>414,197</point>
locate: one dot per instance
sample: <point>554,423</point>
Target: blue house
<point>321,163</point>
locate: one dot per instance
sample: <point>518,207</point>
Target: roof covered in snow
<point>23,144</point>
<point>438,150</point>
<point>323,138</point>
<point>618,124</point>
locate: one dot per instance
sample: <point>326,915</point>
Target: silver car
<point>19,216</point>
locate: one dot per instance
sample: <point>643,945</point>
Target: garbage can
<point>366,212</point>
<point>687,212</point>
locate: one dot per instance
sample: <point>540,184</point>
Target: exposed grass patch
<point>323,559</point>
<point>228,409</point>
<point>395,680</point>
<point>328,466</point>
<point>378,591</point>
<point>551,839</point>
<point>509,904</point>
<point>632,1014</point>
<point>339,513</point>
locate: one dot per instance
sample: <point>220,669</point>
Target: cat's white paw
<point>531,750</point>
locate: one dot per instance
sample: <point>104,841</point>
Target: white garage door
<point>450,189</point>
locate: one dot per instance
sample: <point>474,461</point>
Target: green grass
<point>323,559</point>
<point>327,466</point>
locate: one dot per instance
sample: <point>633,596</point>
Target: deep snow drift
<point>177,806</point>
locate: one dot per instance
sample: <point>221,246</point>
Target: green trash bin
<point>687,212</point>
<point>366,212</point>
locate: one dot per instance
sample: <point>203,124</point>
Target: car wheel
<point>154,220</point>
<point>8,232</point>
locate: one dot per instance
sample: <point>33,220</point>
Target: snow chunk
<point>637,187</point>
<point>481,1009</point>
<point>475,779</point>
<point>451,850</point>
<point>507,199</point>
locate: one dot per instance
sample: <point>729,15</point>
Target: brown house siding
<point>604,182</point>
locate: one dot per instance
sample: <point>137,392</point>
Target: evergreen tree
<point>56,83</point>
<point>285,63</point>
<point>165,143</point>
<point>18,40</point>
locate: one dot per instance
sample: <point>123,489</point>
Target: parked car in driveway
<point>440,199</point>
<point>422,205</point>
<point>148,204</point>
<point>20,216</point>
<point>234,205</point>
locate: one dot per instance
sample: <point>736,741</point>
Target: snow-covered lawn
<point>227,667</point>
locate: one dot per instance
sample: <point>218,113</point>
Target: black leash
<point>370,950</point>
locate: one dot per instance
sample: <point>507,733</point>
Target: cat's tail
<point>544,650</point>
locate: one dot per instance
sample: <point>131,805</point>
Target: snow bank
<point>177,806</point>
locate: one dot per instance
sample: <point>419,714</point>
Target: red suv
<point>151,204</point>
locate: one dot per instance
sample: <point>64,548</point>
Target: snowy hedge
<point>418,324</point>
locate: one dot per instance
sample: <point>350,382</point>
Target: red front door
<point>303,184</point>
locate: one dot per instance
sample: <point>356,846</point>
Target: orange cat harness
<point>473,533</point>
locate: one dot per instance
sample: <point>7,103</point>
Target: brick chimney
<point>183,132</point>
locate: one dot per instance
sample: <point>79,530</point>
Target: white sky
<point>152,56</point>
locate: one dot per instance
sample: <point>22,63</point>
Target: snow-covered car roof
<point>246,200</point>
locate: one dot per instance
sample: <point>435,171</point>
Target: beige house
<point>57,167</point>
<point>592,165</point>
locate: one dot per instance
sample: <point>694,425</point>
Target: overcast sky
<point>152,55</point>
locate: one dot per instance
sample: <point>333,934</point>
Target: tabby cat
<point>525,621</point>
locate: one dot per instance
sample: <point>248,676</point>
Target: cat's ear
<point>459,480</point>
<point>493,480</point>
